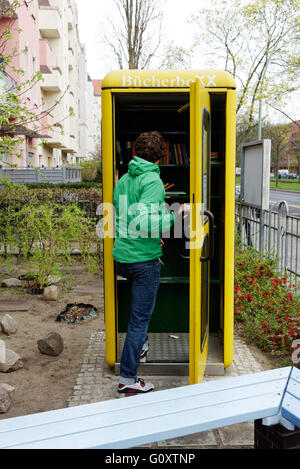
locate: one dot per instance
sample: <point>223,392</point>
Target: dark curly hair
<point>150,146</point>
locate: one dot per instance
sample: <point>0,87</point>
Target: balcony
<point>46,57</point>
<point>46,122</point>
<point>57,140</point>
<point>70,17</point>
<point>52,82</point>
<point>72,102</point>
<point>50,23</point>
<point>71,59</point>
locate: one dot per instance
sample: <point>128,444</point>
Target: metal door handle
<point>212,228</point>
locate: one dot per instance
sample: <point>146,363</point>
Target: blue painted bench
<point>272,395</point>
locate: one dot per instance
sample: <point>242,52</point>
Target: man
<point>141,218</point>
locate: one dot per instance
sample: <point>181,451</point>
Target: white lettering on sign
<point>154,82</point>
<point>2,351</point>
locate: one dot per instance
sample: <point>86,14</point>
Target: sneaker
<point>140,387</point>
<point>144,353</point>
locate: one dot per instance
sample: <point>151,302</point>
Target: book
<point>185,154</point>
<point>179,153</point>
<point>132,149</point>
<point>214,155</point>
<point>175,154</point>
<point>167,159</point>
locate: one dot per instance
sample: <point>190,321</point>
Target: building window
<point>30,159</point>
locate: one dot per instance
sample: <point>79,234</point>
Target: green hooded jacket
<point>140,213</point>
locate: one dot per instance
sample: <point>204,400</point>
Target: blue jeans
<point>144,278</point>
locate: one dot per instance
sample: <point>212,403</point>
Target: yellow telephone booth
<point>195,112</point>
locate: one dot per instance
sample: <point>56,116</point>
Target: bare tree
<point>135,35</point>
<point>176,57</point>
<point>278,133</point>
<point>256,42</point>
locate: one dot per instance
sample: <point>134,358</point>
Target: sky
<point>90,25</point>
<point>92,19</point>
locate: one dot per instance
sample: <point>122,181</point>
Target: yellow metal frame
<point>229,227</point>
<point>199,99</point>
<point>108,172</point>
<point>111,86</point>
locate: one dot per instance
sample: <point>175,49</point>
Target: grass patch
<point>286,184</point>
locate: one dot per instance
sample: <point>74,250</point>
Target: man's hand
<point>162,242</point>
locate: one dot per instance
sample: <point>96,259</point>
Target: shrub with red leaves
<point>266,302</point>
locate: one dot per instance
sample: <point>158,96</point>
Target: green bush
<point>48,233</point>
<point>43,225</point>
<point>91,170</point>
<point>68,185</point>
<point>23,194</point>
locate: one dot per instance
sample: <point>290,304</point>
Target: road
<point>291,197</point>
<point>281,235</point>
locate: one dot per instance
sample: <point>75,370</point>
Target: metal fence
<point>59,175</point>
<point>271,231</point>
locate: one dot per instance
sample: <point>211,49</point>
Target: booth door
<point>201,230</point>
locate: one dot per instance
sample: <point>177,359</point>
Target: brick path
<point>96,381</point>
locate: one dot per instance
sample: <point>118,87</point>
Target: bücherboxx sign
<point>167,79</point>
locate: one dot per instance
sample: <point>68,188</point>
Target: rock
<point>4,271</point>
<point>9,324</point>
<point>12,361</point>
<point>50,293</point>
<point>7,388</point>
<point>51,344</point>
<point>5,401</point>
<point>53,279</point>
<point>11,283</point>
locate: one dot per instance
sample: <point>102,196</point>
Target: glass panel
<point>204,292</point>
<point>205,159</point>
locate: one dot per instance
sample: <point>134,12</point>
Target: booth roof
<point>167,79</point>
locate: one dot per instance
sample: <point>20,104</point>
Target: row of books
<point>176,153</point>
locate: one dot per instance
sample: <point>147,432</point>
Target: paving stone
<point>88,289</point>
<point>241,434</point>
<point>22,305</point>
<point>189,441</point>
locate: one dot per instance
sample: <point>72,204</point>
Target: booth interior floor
<point>169,354</point>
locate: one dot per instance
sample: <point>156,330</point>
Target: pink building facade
<point>25,29</point>
<point>49,43</point>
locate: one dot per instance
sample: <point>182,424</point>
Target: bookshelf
<point>134,115</point>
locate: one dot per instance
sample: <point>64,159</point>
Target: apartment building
<point>60,69</point>
<point>95,134</point>
<point>25,37</point>
<point>52,45</point>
